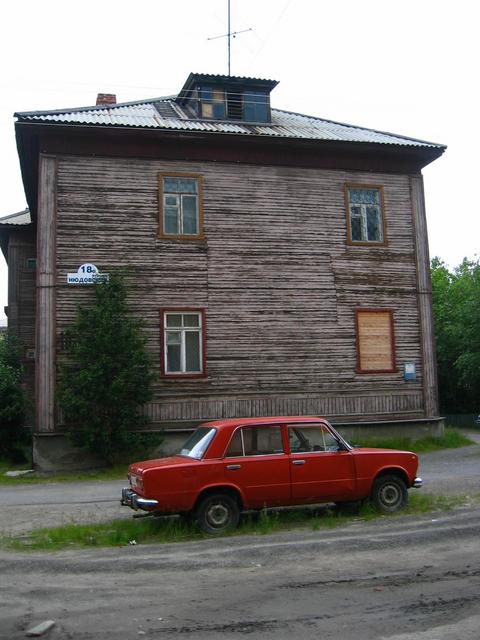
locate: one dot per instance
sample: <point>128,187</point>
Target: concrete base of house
<point>413,429</point>
<point>53,452</point>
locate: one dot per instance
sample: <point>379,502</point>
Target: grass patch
<point>452,439</point>
<point>177,529</point>
<point>117,472</point>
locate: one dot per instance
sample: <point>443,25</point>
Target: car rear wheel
<point>389,494</point>
<point>217,513</point>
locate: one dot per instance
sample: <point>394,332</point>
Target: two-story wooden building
<point>279,261</point>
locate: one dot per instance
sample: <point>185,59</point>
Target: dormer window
<point>227,98</point>
<point>212,102</point>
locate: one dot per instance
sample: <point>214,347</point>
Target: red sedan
<point>228,466</point>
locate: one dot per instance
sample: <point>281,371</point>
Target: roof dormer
<point>214,97</point>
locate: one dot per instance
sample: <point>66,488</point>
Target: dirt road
<point>394,578</point>
<point>397,578</point>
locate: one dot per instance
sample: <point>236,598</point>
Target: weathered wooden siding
<point>278,281</point>
<point>22,298</point>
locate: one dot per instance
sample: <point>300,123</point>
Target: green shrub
<point>107,377</point>
<point>13,402</point>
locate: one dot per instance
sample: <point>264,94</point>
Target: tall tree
<point>107,376</point>
<point>456,308</point>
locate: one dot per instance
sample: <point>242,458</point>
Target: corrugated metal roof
<point>166,114</point>
<point>20,218</point>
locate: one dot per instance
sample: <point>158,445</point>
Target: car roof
<point>235,422</point>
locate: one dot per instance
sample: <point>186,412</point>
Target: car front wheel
<point>389,494</point>
<point>217,513</point>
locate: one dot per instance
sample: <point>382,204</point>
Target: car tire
<point>217,513</point>
<point>389,494</point>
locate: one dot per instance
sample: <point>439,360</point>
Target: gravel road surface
<point>396,578</point>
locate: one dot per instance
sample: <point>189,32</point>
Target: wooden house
<point>279,261</point>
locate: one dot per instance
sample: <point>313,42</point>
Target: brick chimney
<point>106,98</point>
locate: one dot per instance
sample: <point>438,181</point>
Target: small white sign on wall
<point>87,274</point>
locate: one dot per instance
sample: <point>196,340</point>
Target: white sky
<point>409,67</point>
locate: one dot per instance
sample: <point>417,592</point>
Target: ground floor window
<point>375,341</point>
<point>183,341</point>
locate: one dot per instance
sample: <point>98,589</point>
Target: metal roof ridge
<point>356,126</point>
<point>100,107</point>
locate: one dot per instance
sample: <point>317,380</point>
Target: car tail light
<point>136,482</point>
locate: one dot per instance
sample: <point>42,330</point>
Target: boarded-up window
<point>375,341</point>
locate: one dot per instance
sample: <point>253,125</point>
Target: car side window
<point>305,439</point>
<point>256,441</point>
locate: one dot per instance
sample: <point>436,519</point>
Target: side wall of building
<point>22,253</point>
<point>278,282</point>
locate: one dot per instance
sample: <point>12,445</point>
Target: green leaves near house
<point>13,402</point>
<point>456,310</point>
<point>106,376</point>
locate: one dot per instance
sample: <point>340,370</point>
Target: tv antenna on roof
<point>229,36</point>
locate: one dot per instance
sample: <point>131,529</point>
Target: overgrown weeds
<point>451,439</point>
<point>177,529</point>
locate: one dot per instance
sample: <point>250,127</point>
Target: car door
<point>320,467</point>
<point>257,463</point>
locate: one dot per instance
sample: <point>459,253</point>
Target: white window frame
<point>362,215</point>
<point>179,196</point>
<point>183,330</point>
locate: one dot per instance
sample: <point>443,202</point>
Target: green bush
<point>13,402</point>
<point>107,376</point>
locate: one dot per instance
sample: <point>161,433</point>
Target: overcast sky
<point>407,67</point>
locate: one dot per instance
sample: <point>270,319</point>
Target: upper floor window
<point>180,206</point>
<point>365,215</point>
<point>183,342</point>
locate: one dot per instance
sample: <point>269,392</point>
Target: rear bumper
<point>417,483</point>
<point>136,502</point>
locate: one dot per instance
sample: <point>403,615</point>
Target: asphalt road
<point>23,507</point>
<point>402,578</point>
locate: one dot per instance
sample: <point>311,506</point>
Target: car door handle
<point>233,467</point>
<point>299,462</point>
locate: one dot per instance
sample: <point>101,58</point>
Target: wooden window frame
<point>163,349</point>
<point>393,368</point>
<point>179,236</point>
<point>365,243</point>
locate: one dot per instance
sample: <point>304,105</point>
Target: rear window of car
<point>197,443</point>
<point>255,441</point>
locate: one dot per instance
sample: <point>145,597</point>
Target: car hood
<point>172,461</point>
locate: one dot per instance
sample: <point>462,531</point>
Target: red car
<point>228,466</point>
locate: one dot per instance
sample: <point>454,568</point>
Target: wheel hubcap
<point>390,495</point>
<point>218,515</point>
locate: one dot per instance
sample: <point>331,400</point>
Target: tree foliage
<point>107,376</point>
<point>13,402</point>
<point>456,309</point>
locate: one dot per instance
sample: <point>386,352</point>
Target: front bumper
<point>417,483</point>
<point>133,500</point>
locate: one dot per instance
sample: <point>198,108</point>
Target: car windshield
<point>197,443</point>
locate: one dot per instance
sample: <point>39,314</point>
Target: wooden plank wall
<point>278,281</point>
<point>22,297</point>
